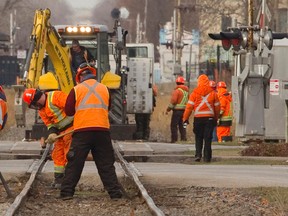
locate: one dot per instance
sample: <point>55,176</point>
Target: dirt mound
<point>266,149</point>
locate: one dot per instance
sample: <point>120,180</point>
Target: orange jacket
<point>203,101</point>
<point>3,113</point>
<point>53,114</point>
<point>179,98</point>
<point>154,90</point>
<point>92,101</point>
<point>225,100</point>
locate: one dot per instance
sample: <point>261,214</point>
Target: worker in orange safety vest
<point>89,103</point>
<point>50,106</point>
<point>178,101</point>
<point>3,109</point>
<point>213,85</point>
<point>225,118</point>
<point>206,106</point>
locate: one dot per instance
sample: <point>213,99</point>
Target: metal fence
<point>9,70</point>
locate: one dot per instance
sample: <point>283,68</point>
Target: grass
<point>221,152</point>
<point>232,143</point>
<point>276,196</point>
<point>240,161</point>
<point>233,157</point>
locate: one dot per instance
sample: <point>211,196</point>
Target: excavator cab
<point>94,38</point>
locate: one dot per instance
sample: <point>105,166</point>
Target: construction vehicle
<point>48,67</point>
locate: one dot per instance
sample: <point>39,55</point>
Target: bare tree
<point>61,14</point>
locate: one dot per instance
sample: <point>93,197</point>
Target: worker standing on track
<point>178,101</point>
<point>89,101</point>
<point>3,109</point>
<point>206,106</point>
<point>225,119</point>
<point>50,106</point>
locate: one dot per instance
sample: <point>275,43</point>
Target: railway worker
<point>78,55</point>
<point>88,102</point>
<point>225,118</point>
<point>206,106</point>
<point>178,101</point>
<point>3,109</point>
<point>50,106</point>
<point>143,119</point>
<point>213,85</point>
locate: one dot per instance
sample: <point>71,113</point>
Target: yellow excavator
<point>48,67</point>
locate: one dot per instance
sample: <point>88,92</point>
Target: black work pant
<point>177,124</point>
<point>99,142</point>
<point>203,130</point>
<point>142,126</point>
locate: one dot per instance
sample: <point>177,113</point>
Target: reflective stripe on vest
<point>91,91</point>
<point>61,119</point>
<point>204,101</point>
<point>59,169</point>
<point>184,100</point>
<point>1,115</point>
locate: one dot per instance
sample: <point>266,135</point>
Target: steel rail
<point>23,194</point>
<point>127,168</point>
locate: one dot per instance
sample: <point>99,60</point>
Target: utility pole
<point>174,40</point>
<point>11,35</point>
<point>179,33</point>
<point>145,20</point>
<point>13,29</point>
<point>138,34</point>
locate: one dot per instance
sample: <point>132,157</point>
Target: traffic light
<point>239,38</point>
<point>228,39</point>
<point>168,44</point>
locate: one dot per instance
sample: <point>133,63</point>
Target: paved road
<point>170,174</point>
<point>180,174</point>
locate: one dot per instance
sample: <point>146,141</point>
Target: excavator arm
<point>44,40</point>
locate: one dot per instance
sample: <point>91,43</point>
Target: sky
<point>83,3</point>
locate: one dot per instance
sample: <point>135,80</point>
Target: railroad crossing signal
<point>257,35</point>
<point>238,38</point>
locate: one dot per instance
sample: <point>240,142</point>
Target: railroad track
<point>130,172</point>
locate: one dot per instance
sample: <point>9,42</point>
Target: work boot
<point>116,195</point>
<point>65,197</point>
<point>58,180</point>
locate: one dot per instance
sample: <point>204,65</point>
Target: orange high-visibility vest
<point>53,114</point>
<point>202,105</point>
<point>3,113</point>
<point>92,101</point>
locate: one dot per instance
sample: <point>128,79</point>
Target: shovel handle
<point>63,134</point>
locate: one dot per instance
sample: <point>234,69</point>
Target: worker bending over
<point>3,109</point>
<point>50,106</point>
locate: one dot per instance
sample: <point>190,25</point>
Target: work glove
<point>42,143</point>
<point>51,138</point>
<point>185,123</point>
